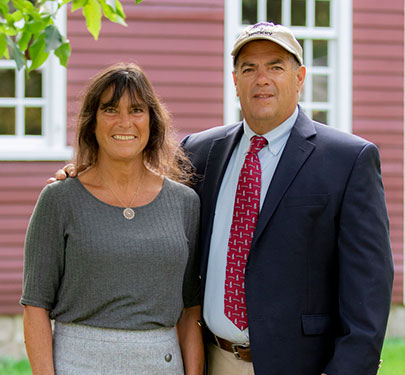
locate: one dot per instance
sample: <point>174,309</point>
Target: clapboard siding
<point>377,7</point>
<point>20,185</point>
<point>378,96</point>
<point>375,20</point>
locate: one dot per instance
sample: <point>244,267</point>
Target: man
<point>296,264</point>
<point>318,274</point>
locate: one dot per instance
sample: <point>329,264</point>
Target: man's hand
<point>68,170</point>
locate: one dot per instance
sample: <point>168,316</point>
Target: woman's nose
<point>125,119</point>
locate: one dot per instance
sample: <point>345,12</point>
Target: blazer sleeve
<point>365,269</point>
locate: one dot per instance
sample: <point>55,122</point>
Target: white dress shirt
<point>269,156</point>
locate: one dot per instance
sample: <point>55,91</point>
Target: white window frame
<point>51,145</point>
<point>340,58</point>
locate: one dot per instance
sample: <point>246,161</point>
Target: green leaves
<point>53,38</point>
<point>92,13</point>
<point>24,40</point>
<point>3,47</point>
<point>17,55</point>
<point>114,14</point>
<point>63,53</point>
<point>27,8</point>
<point>119,9</point>
<point>28,33</point>
<point>37,51</point>
<point>77,4</point>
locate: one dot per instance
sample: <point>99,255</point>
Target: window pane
<point>320,88</point>
<point>320,116</point>
<point>7,121</point>
<point>249,11</point>
<point>33,85</point>
<point>298,13</point>
<point>322,13</point>
<point>7,86</point>
<point>274,11</point>
<point>33,121</point>
<point>320,53</point>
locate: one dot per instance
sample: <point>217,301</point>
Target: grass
<point>12,367</point>
<point>393,356</point>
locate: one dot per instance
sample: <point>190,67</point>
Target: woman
<point>111,255</point>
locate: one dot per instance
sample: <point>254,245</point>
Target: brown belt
<point>240,351</point>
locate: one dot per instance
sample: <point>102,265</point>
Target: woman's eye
<point>109,110</point>
<point>137,110</point>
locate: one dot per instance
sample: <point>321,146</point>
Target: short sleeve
<point>44,251</point>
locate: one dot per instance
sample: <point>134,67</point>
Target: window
<point>33,111</point>
<point>323,27</point>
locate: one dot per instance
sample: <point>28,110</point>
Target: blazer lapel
<point>296,152</point>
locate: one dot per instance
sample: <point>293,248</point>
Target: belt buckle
<point>235,349</point>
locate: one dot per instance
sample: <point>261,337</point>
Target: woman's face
<point>122,132</point>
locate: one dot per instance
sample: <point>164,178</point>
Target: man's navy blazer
<point>319,273</point>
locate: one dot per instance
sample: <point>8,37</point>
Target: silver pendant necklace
<point>128,212</point>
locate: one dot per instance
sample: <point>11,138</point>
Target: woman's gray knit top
<point>87,264</point>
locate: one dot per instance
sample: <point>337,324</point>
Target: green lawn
<point>393,356</point>
<point>10,367</point>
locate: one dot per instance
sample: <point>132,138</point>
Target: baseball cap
<point>269,31</point>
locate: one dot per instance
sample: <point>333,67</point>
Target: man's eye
<point>247,70</point>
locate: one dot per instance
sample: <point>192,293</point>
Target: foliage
<point>28,32</point>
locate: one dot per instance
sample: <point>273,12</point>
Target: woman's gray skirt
<point>84,350</point>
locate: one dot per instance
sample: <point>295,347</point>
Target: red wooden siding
<point>20,184</point>
<point>180,46</point>
<point>378,97</point>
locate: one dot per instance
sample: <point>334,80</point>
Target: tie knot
<point>257,143</point>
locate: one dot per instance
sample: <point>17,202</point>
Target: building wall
<point>378,104</point>
<point>20,184</point>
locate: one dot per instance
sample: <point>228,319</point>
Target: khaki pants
<point>221,362</point>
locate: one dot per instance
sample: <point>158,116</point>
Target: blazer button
<point>199,276</point>
<point>168,357</point>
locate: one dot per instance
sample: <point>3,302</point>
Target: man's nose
<point>262,77</point>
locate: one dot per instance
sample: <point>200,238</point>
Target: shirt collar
<point>276,137</point>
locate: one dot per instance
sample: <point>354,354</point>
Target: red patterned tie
<point>245,213</point>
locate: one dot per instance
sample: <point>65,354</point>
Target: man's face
<point>268,82</point>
